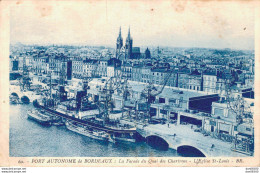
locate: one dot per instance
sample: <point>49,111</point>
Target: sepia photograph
<point>121,82</point>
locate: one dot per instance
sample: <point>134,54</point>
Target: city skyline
<point>153,25</point>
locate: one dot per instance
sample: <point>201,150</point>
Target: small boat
<point>39,117</point>
<point>83,130</point>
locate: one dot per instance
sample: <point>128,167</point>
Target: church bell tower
<point>119,43</point>
<point>128,45</point>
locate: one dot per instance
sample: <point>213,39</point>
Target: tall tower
<point>128,45</point>
<point>119,43</point>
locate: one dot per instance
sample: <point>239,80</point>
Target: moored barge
<point>84,130</point>
<point>39,117</point>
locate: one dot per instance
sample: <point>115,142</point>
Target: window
<point>163,111</point>
<point>161,100</point>
<point>172,100</point>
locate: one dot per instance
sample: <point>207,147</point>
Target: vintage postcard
<point>129,83</point>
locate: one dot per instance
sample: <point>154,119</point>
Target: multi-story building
<point>172,78</point>
<point>146,74</point>
<point>183,78</point>
<point>90,68</point>
<point>210,82</point>
<point>55,65</point>
<point>113,67</point>
<point>158,75</point>
<point>60,68</point>
<point>224,79</point>
<point>40,65</point>
<point>137,73</point>
<point>77,67</point>
<point>127,70</point>
<point>102,67</point>
<point>195,81</point>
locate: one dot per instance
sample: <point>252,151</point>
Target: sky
<point>178,23</point>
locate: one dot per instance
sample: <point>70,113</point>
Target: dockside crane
<point>151,91</point>
<point>112,85</point>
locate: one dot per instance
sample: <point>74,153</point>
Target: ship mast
<point>108,103</point>
<point>125,95</point>
<point>50,86</point>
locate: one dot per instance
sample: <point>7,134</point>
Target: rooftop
<point>168,92</point>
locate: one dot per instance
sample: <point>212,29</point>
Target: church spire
<point>120,31</point>
<point>119,43</point>
<point>129,36</point>
<point>128,45</point>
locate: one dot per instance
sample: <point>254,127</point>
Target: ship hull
<point>85,132</point>
<point>124,140</point>
<point>95,126</point>
<point>38,120</point>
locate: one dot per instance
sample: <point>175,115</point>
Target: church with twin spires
<point>127,51</point>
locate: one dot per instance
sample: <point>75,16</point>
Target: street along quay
<point>163,134</point>
<point>185,140</point>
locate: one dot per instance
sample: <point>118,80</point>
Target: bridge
<point>15,90</point>
<point>185,141</point>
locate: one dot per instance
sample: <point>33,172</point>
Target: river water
<point>30,139</point>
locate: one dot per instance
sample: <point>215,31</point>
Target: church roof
<point>136,50</point>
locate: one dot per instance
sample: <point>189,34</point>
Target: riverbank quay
<point>165,115</point>
<point>183,137</point>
